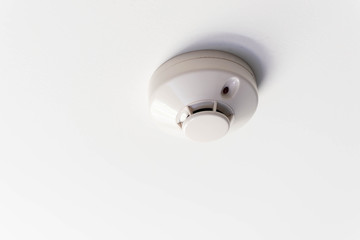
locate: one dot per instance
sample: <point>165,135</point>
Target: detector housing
<point>203,94</point>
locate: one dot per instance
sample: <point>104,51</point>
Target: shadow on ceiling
<point>249,50</point>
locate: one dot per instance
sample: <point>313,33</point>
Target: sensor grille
<point>203,106</point>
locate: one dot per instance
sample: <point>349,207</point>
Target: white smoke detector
<point>203,94</point>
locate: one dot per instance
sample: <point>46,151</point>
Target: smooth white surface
<point>80,158</point>
<point>206,126</point>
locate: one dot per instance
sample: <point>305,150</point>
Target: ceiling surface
<point>80,157</point>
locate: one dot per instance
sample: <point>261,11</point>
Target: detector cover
<point>203,94</point>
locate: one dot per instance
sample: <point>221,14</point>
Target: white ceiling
<point>80,158</point>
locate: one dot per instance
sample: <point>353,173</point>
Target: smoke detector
<point>203,94</point>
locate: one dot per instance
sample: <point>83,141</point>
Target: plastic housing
<point>202,81</point>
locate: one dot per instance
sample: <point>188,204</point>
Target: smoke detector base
<point>203,94</point>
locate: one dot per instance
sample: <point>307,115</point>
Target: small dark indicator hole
<point>225,90</point>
